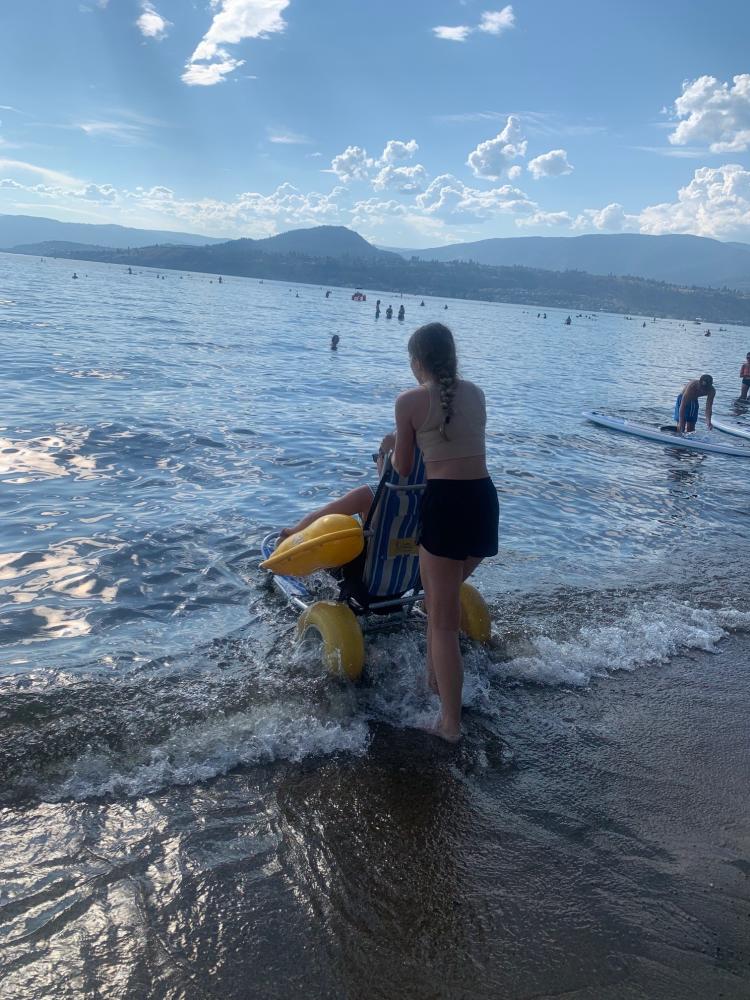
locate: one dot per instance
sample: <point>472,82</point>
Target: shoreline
<point>570,304</point>
<point>591,844</point>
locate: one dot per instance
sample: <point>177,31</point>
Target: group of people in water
<point>389,311</point>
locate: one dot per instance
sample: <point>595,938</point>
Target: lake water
<point>153,430</point>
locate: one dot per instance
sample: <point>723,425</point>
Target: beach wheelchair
<point>380,584</point>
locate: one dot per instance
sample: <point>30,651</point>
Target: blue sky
<point>416,123</point>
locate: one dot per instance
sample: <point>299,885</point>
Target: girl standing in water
<point>445,416</point>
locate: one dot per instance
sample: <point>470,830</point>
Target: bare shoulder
<point>472,385</point>
<point>411,398</point>
<point>412,406</point>
<point>476,389</point>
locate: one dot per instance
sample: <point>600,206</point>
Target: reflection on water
<point>45,456</point>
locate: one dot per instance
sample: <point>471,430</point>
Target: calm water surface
<point>152,431</point>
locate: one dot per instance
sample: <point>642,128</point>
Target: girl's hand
<point>388,443</point>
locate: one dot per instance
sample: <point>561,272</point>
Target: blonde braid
<point>447,385</point>
<point>433,347</point>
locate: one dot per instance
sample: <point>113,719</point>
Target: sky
<point>415,122</point>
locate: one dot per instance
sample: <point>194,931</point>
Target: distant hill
<point>323,242</point>
<point>16,230</point>
<point>544,289</point>
<point>681,259</point>
<point>320,241</point>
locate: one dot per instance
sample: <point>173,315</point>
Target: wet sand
<point>593,846</point>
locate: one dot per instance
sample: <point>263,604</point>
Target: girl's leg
<point>431,679</point>
<point>470,565</point>
<point>442,579</point>
<point>356,501</point>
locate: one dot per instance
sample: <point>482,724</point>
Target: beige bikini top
<point>465,432</point>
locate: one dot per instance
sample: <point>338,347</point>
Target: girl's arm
<point>403,452</point>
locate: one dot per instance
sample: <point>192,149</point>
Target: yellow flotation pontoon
<point>380,574</point>
<point>329,542</point>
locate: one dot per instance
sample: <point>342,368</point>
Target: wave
<point>188,720</point>
<point>644,636</point>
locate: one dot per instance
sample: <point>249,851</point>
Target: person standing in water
<point>389,312</point>
<point>401,313</point>
<point>445,417</point>
<point>745,376</point>
<point>335,342</point>
<point>687,403</point>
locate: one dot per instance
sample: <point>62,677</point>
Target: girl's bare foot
<point>449,734</point>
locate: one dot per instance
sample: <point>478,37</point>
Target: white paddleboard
<point>697,441</point>
<point>741,430</point>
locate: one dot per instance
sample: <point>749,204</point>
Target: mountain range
<point>16,230</point>
<point>676,258</point>
<point>331,255</point>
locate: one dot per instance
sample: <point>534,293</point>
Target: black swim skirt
<point>459,518</point>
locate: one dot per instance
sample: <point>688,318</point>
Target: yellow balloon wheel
<point>343,645</point>
<point>475,615</point>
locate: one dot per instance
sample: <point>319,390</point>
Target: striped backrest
<point>392,556</point>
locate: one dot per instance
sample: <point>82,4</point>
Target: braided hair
<point>432,345</point>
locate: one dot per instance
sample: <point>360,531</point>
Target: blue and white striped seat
<point>391,564</point>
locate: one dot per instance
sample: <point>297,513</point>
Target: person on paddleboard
<point>745,376</point>
<point>687,403</point>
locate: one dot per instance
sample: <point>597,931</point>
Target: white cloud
<point>515,172</point>
<point>493,22</point>
<point>151,24</point>
<point>545,219</point>
<point>128,132</point>
<point>400,178</point>
<point>373,211</point>
<point>283,137</point>
<point>450,199</point>
<point>47,175</point>
<point>97,192</point>
<point>235,21</point>
<point>714,114</point>
<point>248,213</point>
<point>551,164</point>
<point>207,74</point>
<point>395,150</point>
<point>612,219</point>
<point>496,22</point>
<point>716,202</point>
<point>459,33</point>
<point>492,157</point>
<point>353,164</point>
